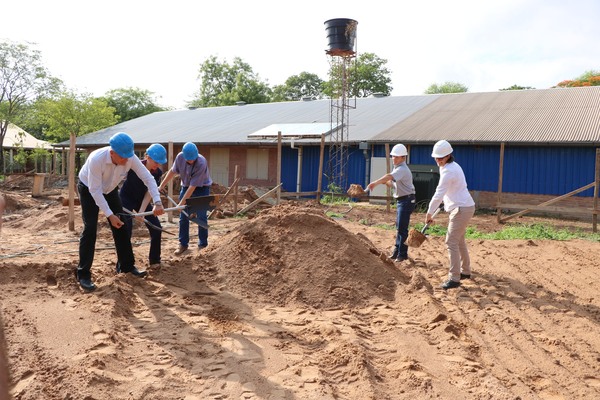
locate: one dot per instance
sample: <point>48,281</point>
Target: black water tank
<point>341,35</point>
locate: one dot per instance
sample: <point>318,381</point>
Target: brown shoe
<point>181,250</point>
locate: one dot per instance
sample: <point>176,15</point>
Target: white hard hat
<point>441,149</point>
<point>399,150</point>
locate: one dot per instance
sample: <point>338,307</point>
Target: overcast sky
<point>159,46</point>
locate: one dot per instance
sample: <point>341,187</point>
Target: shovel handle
<point>182,208</point>
<point>175,203</point>
<point>436,212</point>
<point>143,214</point>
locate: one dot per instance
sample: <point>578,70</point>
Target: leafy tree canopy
<point>299,86</point>
<point>131,103</point>
<point>23,79</point>
<point>447,87</point>
<point>517,87</point>
<point>72,113</point>
<point>588,78</point>
<point>368,75</point>
<point>224,84</point>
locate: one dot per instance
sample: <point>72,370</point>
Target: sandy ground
<point>292,304</point>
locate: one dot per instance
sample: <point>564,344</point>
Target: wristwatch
<point>158,203</point>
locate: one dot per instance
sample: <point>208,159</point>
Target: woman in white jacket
<point>452,191</point>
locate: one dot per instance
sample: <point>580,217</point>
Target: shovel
<point>197,204</point>
<point>356,191</point>
<point>416,238</point>
<point>150,224</point>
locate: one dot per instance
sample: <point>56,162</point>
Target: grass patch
<point>524,232</point>
<point>334,200</point>
<point>332,214</point>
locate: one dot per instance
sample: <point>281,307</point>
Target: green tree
<point>23,79</point>
<point>131,103</point>
<point>447,87</point>
<point>224,84</point>
<point>20,156</point>
<point>299,86</point>
<point>517,87</point>
<point>72,113</point>
<point>366,76</point>
<point>588,78</point>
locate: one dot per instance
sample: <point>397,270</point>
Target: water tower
<point>341,39</point>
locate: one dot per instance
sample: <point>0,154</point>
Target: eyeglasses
<point>440,158</point>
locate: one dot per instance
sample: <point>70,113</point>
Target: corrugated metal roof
<point>527,116</point>
<point>233,124</point>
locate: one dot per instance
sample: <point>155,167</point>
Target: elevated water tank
<point>341,36</point>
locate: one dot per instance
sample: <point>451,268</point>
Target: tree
<point>299,86</point>
<point>72,113</point>
<point>223,84</point>
<point>23,78</point>
<point>131,103</point>
<point>588,78</point>
<point>517,87</point>
<point>368,75</point>
<point>447,87</point>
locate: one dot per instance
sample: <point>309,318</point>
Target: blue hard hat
<point>122,144</point>
<point>157,152</point>
<point>190,151</point>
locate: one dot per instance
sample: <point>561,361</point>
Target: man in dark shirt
<point>135,197</point>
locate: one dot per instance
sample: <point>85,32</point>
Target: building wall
<point>544,170</point>
<point>532,174</point>
<point>238,157</point>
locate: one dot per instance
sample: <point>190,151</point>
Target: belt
<point>408,196</point>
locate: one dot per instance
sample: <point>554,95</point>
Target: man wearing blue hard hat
<point>192,168</point>
<point>136,198</point>
<point>98,190</point>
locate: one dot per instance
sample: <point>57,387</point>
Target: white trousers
<point>456,243</point>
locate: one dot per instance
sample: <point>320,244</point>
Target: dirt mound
<point>356,191</point>
<point>293,253</point>
<point>12,202</point>
<point>293,304</point>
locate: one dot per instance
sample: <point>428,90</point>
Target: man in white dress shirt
<point>98,190</point>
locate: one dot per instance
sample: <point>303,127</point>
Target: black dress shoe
<point>450,284</point>
<point>136,272</point>
<point>87,284</point>
<point>465,276</point>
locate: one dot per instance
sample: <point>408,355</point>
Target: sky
<point>485,45</point>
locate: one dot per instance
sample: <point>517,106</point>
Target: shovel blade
<point>202,203</point>
<point>415,238</point>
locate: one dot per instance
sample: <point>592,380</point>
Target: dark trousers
<point>404,208</point>
<point>155,234</point>
<point>87,240</point>
<point>184,221</point>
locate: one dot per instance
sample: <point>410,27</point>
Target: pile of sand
<point>296,254</point>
